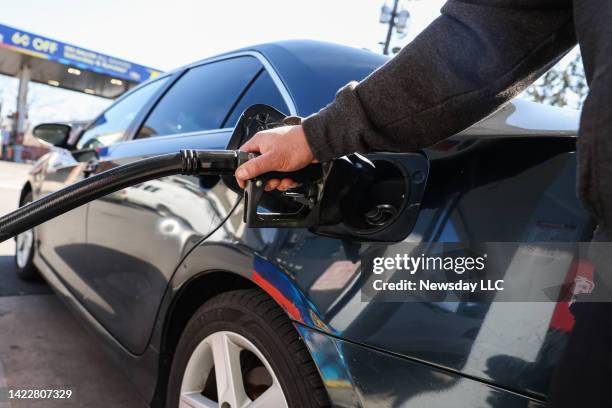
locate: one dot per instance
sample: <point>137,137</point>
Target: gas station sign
<point>41,47</point>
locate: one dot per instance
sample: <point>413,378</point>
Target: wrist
<point>313,127</point>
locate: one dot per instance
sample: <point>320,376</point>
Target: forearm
<point>466,64</point>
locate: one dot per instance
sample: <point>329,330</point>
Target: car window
<point>262,90</point>
<point>201,98</point>
<point>109,127</point>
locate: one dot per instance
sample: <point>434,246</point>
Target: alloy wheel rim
<point>24,247</point>
<point>219,355</point>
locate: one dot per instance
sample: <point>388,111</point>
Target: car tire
<point>239,325</point>
<point>25,246</point>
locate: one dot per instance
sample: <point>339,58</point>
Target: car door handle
<point>90,167</point>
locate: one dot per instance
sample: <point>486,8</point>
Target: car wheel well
<point>194,294</point>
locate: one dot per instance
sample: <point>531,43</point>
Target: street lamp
<point>385,14</point>
<point>398,20</point>
<point>403,17</point>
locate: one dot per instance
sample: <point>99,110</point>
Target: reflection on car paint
<point>478,339</point>
<point>332,367</point>
<point>281,289</point>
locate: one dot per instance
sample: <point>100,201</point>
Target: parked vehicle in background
<point>31,149</point>
<point>203,312</point>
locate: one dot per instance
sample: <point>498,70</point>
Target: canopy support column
<point>24,76</point>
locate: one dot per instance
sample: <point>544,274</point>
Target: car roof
<point>312,71</point>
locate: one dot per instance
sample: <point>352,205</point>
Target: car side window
<point>201,98</point>
<point>262,90</point>
<point>109,127</point>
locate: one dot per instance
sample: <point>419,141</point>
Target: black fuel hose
<point>187,162</point>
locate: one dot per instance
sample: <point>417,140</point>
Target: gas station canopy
<point>66,66</point>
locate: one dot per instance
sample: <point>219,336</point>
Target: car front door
<point>137,236</point>
<point>62,238</point>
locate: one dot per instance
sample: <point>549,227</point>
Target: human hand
<point>282,149</point>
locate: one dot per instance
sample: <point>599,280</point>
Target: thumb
<point>255,167</point>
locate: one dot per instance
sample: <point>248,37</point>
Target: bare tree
<point>563,85</point>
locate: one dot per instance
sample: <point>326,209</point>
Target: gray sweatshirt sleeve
<point>476,56</point>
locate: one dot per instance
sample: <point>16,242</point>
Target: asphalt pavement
<point>42,344</point>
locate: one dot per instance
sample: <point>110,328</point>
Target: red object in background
<point>579,280</point>
<point>562,319</point>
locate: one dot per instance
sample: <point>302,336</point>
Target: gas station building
<point>34,58</point>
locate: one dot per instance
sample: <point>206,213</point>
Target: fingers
<point>252,145</point>
<point>286,184</point>
<point>272,184</point>
<point>255,167</point>
<point>282,185</point>
<point>283,149</point>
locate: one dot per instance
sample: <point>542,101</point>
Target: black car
<point>202,311</point>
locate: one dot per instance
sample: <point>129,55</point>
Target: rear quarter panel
<point>503,190</point>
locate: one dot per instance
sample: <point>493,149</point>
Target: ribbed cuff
<point>316,135</point>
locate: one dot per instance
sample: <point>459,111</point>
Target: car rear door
<point>137,236</point>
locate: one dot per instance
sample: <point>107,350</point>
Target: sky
<point>165,35</point>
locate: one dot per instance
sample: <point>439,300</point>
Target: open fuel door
<point>372,198</point>
<point>369,198</point>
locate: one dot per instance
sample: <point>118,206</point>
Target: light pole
<point>395,19</point>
